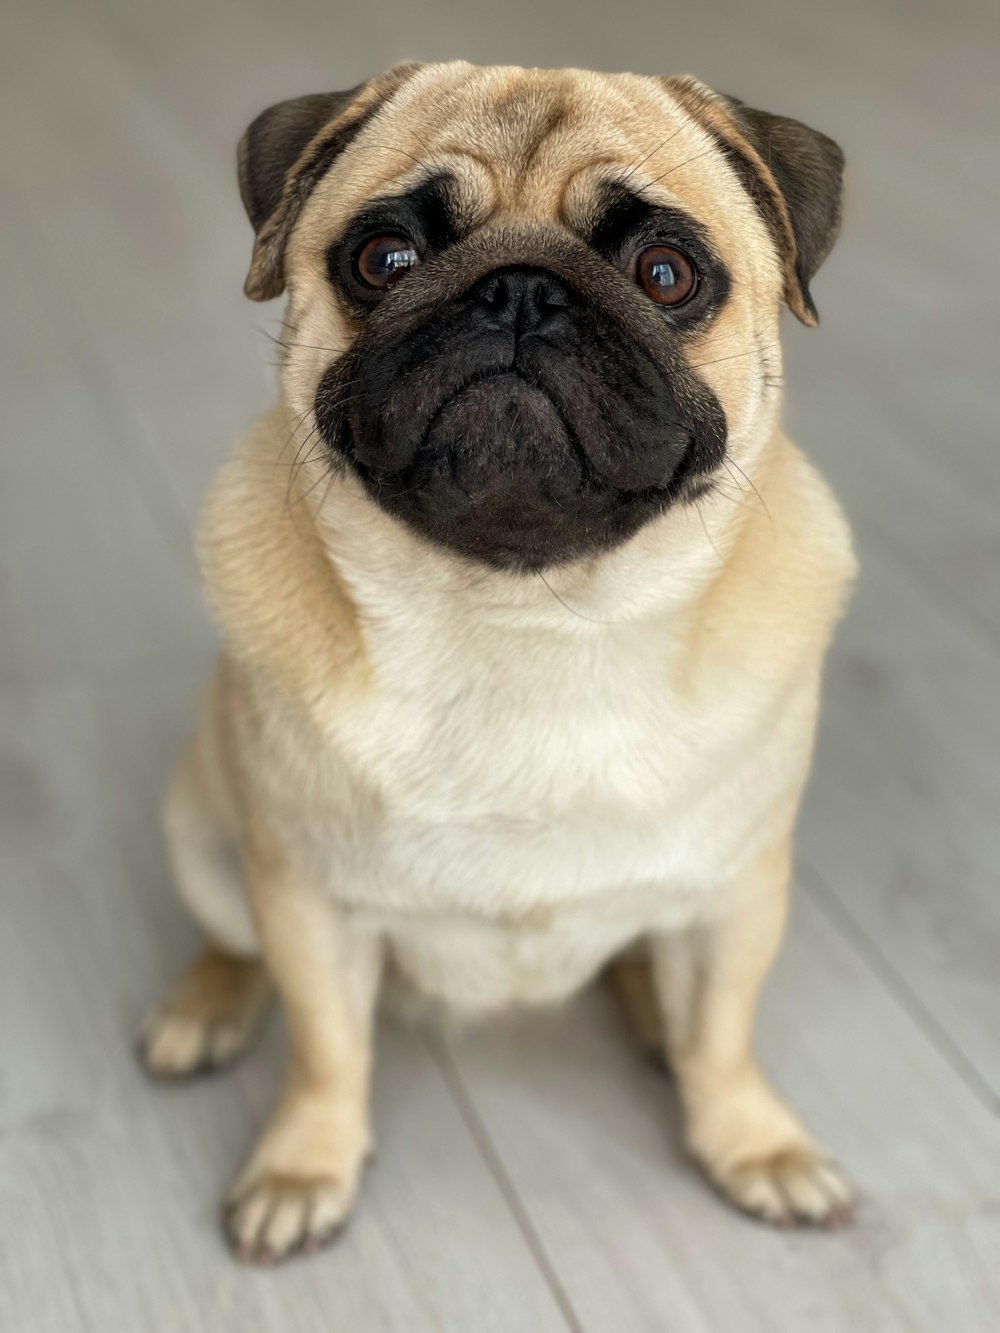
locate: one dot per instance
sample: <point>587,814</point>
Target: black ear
<point>809,169</point>
<point>793,173</point>
<point>283,154</point>
<point>275,140</point>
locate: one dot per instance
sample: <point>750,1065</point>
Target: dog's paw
<point>758,1155</point>
<point>298,1187</point>
<point>209,1018</point>
<point>794,1187</point>
<point>279,1214</point>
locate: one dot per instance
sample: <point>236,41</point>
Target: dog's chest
<point>516,779</point>
<point>534,814</point>
<point>510,810</point>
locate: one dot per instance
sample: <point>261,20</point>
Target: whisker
<point>677,166</point>
<point>297,464</point>
<point>305,494</point>
<point>392,148</point>
<point>312,347</point>
<point>434,158</point>
<point>329,487</point>
<point>294,431</point>
<point>289,343</point>
<point>729,464</point>
<point>652,153</point>
<point>316,447</point>
<point>715,360</point>
<point>593,620</point>
<point>708,535</point>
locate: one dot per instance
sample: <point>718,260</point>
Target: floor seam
<point>494,1163</point>
<point>852,931</point>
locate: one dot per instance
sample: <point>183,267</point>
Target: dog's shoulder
<point>785,582</point>
<point>801,533</point>
<point>273,592</point>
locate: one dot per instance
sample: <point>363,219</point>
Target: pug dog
<point>524,599</point>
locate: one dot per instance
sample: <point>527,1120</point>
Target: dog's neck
<point>663,571</point>
<point>358,592</point>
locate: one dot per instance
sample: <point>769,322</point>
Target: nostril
<point>551,295</point>
<point>493,293</point>
<point>523,300</point>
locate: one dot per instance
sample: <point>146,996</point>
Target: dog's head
<point>531,309</point>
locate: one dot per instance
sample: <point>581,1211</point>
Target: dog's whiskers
<point>729,464</point>
<point>297,425</point>
<point>697,365</point>
<point>634,167</point>
<point>312,347</point>
<point>677,166</point>
<point>708,535</point>
<point>328,470</point>
<point>593,620</point>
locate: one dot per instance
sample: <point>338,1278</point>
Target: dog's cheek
<point>403,381</point>
<point>314,334</point>
<point>740,363</point>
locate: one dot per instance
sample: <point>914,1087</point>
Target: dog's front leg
<point>301,1179</point>
<point>708,979</point>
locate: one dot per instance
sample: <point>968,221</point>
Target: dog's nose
<point>521,300</point>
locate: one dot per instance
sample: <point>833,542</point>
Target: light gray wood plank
<point>149,245</point>
<point>91,574</point>
<point>109,1184</point>
<point>900,820</point>
<point>589,1136</point>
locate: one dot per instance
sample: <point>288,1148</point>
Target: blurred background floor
<point>529,1178</point>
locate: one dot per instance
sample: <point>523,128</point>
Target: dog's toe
<point>281,1215</point>
<point>796,1187</point>
<point>208,1019</point>
<point>174,1046</point>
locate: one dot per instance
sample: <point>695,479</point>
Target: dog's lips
<point>498,429</point>
<point>490,428</point>
<point>522,497</point>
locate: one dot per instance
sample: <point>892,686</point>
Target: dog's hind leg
<point>216,1007</point>
<point>630,980</point>
<point>209,1016</point>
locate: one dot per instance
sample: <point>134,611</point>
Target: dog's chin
<point>500,479</point>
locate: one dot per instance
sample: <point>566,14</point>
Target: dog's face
<point>532,309</point>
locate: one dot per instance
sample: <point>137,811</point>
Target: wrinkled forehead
<point>532,126</point>
<point>533,144</point>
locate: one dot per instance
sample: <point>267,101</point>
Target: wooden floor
<point>529,1178</point>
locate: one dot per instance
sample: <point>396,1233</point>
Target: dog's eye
<point>666,275</point>
<point>383,260</point>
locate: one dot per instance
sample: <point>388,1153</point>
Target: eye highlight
<point>667,275</point>
<point>383,260</point>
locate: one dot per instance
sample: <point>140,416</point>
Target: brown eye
<point>383,260</point>
<point>666,275</point>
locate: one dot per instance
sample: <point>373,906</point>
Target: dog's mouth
<point>500,475</point>
<point>498,432</point>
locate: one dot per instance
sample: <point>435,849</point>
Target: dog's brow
<point>431,202</point>
<point>617,210</point>
<point>604,161</point>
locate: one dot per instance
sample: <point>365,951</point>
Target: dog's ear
<point>793,173</point>
<point>284,153</point>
